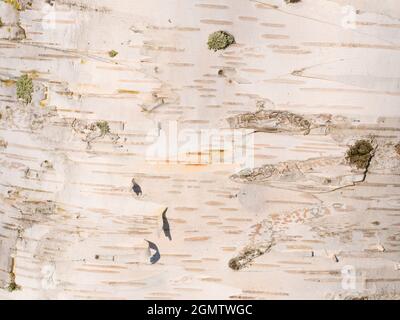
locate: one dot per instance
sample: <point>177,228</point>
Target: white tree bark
<point>302,83</point>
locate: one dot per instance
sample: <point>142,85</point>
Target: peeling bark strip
<point>38,207</point>
<point>248,254</point>
<point>261,239</point>
<point>91,132</point>
<point>316,175</point>
<point>271,121</point>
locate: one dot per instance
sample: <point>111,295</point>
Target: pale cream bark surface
<point>70,225</point>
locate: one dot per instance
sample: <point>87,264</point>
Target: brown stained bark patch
<point>3,143</point>
<point>397,148</point>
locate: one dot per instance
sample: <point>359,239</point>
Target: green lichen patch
<point>220,40</point>
<point>24,88</point>
<point>360,154</point>
<point>103,126</point>
<point>19,5</point>
<point>12,286</point>
<point>15,3</point>
<point>112,53</point>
